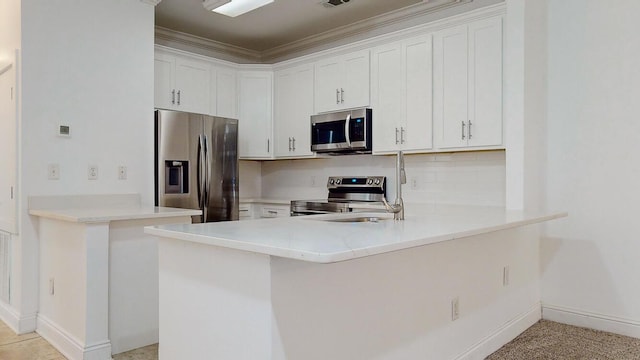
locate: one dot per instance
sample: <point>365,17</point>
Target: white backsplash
<point>474,178</point>
<point>250,175</point>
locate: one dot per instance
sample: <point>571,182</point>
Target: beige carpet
<point>550,340</point>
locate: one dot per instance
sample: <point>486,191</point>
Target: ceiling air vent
<point>333,3</point>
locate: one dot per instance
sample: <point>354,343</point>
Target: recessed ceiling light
<point>234,8</point>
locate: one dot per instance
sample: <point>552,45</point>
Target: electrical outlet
<point>93,172</point>
<point>505,275</point>
<point>415,183</point>
<point>455,309</point>
<point>52,289</point>
<point>122,172</point>
<point>53,172</point>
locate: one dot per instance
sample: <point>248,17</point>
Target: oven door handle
<point>346,130</point>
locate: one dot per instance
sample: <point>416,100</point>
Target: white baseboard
<point>17,323</point>
<point>502,335</point>
<point>591,320</point>
<point>70,346</point>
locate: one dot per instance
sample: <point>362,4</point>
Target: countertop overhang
<point>312,238</point>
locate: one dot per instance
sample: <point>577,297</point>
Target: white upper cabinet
<point>181,83</point>
<point>255,96</point>
<point>223,92</point>
<point>401,95</point>
<point>293,110</point>
<point>342,82</point>
<point>468,85</point>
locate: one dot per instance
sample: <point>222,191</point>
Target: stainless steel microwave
<point>342,132</point>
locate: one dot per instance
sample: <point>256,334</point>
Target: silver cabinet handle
<point>294,144</point>
<point>463,125</point>
<point>469,130</point>
<point>268,149</point>
<point>272,212</point>
<point>289,144</point>
<point>401,135</point>
<point>337,96</point>
<point>341,95</point>
<point>173,96</point>
<point>397,141</point>
<point>178,97</point>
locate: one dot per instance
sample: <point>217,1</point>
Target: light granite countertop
<point>107,214</point>
<point>313,238</point>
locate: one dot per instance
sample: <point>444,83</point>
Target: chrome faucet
<point>401,178</point>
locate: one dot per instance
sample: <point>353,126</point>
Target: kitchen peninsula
<point>448,282</point>
<point>98,272</point>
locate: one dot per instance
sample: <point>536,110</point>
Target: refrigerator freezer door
<point>221,149</point>
<point>179,160</point>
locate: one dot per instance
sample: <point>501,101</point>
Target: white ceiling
<point>282,22</point>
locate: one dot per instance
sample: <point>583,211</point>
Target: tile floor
<point>33,347</point>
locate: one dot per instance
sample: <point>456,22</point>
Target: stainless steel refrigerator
<point>196,163</point>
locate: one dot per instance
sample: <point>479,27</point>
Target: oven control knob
<point>338,181</point>
<point>377,181</point>
<point>370,181</point>
<point>332,181</point>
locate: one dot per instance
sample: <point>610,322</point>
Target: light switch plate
<point>53,172</point>
<point>122,172</point>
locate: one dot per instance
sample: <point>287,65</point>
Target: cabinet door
<point>226,94</point>
<point>255,114</point>
<point>355,80</point>
<point>387,96</point>
<point>450,87</point>
<point>416,133</point>
<point>192,86</point>
<point>284,112</point>
<point>164,76</point>
<point>327,97</point>
<point>294,107</point>
<point>485,83</point>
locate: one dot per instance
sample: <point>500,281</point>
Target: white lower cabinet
<point>255,94</point>
<point>401,90</point>
<point>468,85</point>
<point>293,110</point>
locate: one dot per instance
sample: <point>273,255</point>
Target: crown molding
<point>204,46</point>
<point>365,29</point>
<point>362,27</point>
<point>151,2</point>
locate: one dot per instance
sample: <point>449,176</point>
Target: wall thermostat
<point>64,130</point>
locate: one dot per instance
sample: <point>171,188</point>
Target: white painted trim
<point>212,47</point>
<point>603,322</point>
<point>502,335</point>
<point>10,316</point>
<point>71,347</point>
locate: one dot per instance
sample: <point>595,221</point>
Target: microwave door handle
<point>346,130</point>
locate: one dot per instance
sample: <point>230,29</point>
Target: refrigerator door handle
<point>207,183</point>
<point>201,173</point>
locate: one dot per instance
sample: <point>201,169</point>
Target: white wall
<point>91,67</point>
<point>590,261</point>
<point>474,178</point>
<point>249,173</point>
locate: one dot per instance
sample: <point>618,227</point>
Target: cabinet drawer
<point>274,211</point>
<point>246,212</point>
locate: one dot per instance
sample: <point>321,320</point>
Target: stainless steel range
<point>346,194</point>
